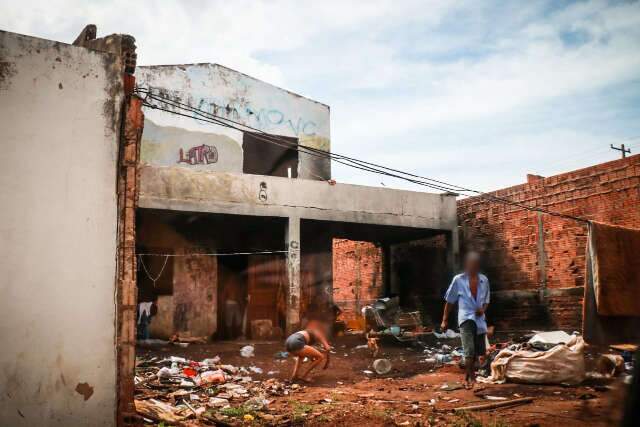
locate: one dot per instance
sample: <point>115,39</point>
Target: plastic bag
<point>247,351</point>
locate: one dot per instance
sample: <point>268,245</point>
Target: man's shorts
<point>473,344</point>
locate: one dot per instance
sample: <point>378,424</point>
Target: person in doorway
<point>471,291</point>
<point>146,310</point>
<point>233,309</point>
<point>300,345</point>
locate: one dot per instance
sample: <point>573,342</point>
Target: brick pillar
<point>126,280</point>
<point>293,274</point>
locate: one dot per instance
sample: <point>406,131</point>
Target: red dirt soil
<point>345,395</point>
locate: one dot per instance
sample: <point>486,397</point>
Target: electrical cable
<point>214,254</point>
<point>338,158</point>
<point>355,163</point>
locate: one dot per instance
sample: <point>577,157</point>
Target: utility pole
<point>623,150</point>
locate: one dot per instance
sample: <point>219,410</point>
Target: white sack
<point>563,363</point>
<point>553,337</point>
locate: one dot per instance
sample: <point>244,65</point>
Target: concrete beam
<point>293,274</point>
<point>180,189</point>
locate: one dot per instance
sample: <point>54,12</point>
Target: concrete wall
<point>59,123</point>
<point>535,262</point>
<point>227,93</point>
<point>184,190</point>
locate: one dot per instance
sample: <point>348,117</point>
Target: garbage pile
<point>175,389</point>
<point>554,357</point>
<point>385,317</point>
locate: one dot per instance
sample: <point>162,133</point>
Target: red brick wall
<point>357,277</point>
<point>525,251</point>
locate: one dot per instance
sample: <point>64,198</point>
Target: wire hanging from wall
<point>146,270</point>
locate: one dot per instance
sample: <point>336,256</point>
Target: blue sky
<point>476,93</point>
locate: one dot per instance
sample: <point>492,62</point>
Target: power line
<point>213,254</point>
<point>339,158</point>
<point>624,151</point>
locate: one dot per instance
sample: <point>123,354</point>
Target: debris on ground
<point>234,390</point>
<point>247,351</point>
<point>175,389</point>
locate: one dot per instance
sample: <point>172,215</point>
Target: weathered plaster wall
<point>230,94</point>
<point>195,295</point>
<point>184,190</point>
<point>191,310</point>
<point>59,123</point>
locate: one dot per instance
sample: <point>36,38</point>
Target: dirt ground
<point>410,394</point>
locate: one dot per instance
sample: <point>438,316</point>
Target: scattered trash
<point>212,377</point>
<point>449,334</point>
<point>551,338</point>
<point>211,362</point>
<point>158,411</point>
<point>216,401</point>
<point>189,372</point>
<point>281,355</point>
<point>256,404</point>
<point>488,397</point>
<point>451,387</point>
<point>165,373</point>
<point>255,369</point>
<point>610,365</point>
<point>382,366</point>
<point>443,358</point>
<point>368,372</point>
<point>247,351</point>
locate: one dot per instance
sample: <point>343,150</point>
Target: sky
<point>476,93</point>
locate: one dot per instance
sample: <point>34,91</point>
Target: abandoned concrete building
<point>155,206</point>
<point>120,188</point>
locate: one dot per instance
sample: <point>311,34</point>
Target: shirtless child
<point>300,345</point>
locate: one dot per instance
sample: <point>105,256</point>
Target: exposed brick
<point>607,192</point>
<point>357,276</point>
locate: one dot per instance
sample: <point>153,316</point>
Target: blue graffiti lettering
<point>278,114</point>
<point>263,119</point>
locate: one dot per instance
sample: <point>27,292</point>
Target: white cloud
<point>412,84</point>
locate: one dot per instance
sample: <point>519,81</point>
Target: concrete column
<point>453,251</point>
<point>542,261</point>
<point>388,278</point>
<point>293,274</point>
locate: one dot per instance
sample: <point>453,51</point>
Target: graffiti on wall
<point>263,118</point>
<point>199,155</point>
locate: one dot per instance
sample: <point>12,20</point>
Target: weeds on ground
<point>466,419</point>
<point>238,411</point>
<point>299,411</point>
<point>386,414</point>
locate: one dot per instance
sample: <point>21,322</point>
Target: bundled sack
<point>563,363</point>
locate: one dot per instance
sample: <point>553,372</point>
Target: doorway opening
<point>204,276</point>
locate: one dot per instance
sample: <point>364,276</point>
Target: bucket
<point>382,366</point>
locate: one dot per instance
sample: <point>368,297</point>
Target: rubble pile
<point>176,389</point>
